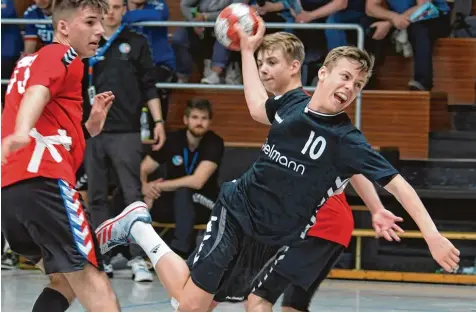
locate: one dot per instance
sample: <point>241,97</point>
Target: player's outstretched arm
<point>383,221</point>
<point>441,248</point>
<point>255,93</point>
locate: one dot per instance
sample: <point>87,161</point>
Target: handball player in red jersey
<point>43,144</point>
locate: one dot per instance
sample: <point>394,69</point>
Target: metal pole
<point>358,28</point>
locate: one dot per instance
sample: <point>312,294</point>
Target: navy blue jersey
<point>42,32</point>
<point>305,159</point>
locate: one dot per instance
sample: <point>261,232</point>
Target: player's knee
<point>212,306</point>
<point>189,304</point>
<point>258,304</point>
<point>59,283</point>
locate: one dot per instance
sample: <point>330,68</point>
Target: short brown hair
<point>199,104</point>
<point>354,54</point>
<point>292,47</point>
<point>60,7</point>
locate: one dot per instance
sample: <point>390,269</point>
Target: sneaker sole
<point>130,208</point>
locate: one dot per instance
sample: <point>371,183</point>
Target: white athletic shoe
<point>140,270</point>
<point>117,231</point>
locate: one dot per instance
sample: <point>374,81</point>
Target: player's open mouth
<point>95,44</point>
<point>341,97</point>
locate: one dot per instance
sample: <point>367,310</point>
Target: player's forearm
<point>255,93</point>
<point>155,108</point>
<point>410,201</point>
<point>32,105</point>
<point>366,191</point>
<point>328,9</point>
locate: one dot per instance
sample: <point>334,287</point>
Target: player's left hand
<point>444,252</point>
<point>99,109</point>
<point>159,136</point>
<point>384,223</point>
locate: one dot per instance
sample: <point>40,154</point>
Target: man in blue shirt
<point>37,34</point>
<point>162,53</point>
<point>421,35</point>
<point>12,43</point>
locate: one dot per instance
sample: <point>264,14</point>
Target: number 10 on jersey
<point>317,145</point>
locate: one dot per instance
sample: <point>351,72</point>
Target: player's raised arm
<point>255,93</point>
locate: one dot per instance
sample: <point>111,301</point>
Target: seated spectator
<point>277,11</point>
<point>333,12</point>
<point>421,35</point>
<point>157,37</point>
<point>191,159</point>
<point>38,34</point>
<point>191,43</point>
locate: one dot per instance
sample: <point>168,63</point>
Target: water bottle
<point>144,124</point>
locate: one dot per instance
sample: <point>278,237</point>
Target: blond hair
<point>290,45</point>
<point>62,7</point>
<point>354,55</point>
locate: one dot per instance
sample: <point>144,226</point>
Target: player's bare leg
<point>93,289</point>
<point>91,286</point>
<point>288,309</point>
<point>56,296</point>
<point>258,304</point>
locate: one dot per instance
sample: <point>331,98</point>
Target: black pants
<point>121,152</point>
<point>422,36</point>
<point>182,208</point>
<point>164,74</point>
<point>8,65</point>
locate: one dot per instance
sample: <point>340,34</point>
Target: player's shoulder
<point>32,12</point>
<point>58,52</point>
<point>353,136</point>
<point>294,95</point>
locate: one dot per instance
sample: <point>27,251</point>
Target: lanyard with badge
<point>189,170</point>
<point>97,58</point>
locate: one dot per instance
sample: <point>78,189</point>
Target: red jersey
<point>334,221</point>
<point>57,146</point>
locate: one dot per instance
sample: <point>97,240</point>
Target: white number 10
<point>317,148</point>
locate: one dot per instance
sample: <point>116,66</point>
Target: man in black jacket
<point>123,65</point>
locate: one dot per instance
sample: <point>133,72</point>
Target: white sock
<point>146,237</point>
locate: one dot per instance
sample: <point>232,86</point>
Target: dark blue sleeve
<point>159,12</point>
<point>356,156</point>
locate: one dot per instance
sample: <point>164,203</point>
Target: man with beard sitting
<point>190,160</point>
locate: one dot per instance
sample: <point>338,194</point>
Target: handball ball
<point>236,13</point>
